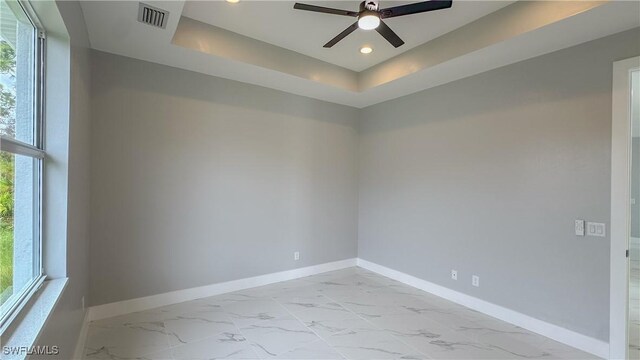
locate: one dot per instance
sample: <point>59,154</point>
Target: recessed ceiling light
<point>366,50</point>
<point>233,1</point>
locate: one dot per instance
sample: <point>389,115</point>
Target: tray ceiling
<point>267,43</point>
<point>277,23</point>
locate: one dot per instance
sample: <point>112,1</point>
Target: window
<point>21,156</point>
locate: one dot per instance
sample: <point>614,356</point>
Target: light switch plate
<point>596,229</point>
<point>579,227</point>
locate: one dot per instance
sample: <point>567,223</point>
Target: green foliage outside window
<point>7,128</point>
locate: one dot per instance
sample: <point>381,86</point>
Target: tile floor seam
<point>456,330</point>
<point>362,318</point>
<point>245,336</point>
<point>318,335</point>
<point>250,345</point>
<point>196,340</point>
<point>347,309</point>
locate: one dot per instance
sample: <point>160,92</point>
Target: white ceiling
<point>277,23</point>
<point>512,33</point>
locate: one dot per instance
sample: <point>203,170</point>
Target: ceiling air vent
<point>152,16</point>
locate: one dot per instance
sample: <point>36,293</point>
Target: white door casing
<point>620,213</point>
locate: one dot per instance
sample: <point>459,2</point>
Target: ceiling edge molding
<point>212,40</point>
<point>509,22</point>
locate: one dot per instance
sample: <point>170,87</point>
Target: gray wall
<point>197,180</point>
<point>486,175</point>
<point>63,327</point>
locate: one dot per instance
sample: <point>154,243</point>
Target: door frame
<point>621,132</point>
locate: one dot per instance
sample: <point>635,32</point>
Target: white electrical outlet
<point>580,227</point>
<point>475,280</point>
<point>296,256</point>
<point>596,229</point>
<point>454,274</point>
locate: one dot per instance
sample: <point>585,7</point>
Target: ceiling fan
<point>370,17</point>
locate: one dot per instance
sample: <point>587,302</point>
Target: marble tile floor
<point>345,314</point>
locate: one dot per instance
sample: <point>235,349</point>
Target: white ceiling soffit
<point>508,34</point>
<point>196,35</point>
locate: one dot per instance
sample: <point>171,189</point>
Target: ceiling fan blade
<point>342,35</point>
<point>326,10</point>
<point>414,8</point>
<point>388,34</point>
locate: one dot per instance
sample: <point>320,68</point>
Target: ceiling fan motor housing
<point>369,5</point>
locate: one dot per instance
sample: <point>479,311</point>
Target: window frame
<point>17,302</point>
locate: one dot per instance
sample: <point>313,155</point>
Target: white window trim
<point>16,305</point>
<point>29,322</point>
<point>11,309</point>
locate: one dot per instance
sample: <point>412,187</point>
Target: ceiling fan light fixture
<point>368,21</point>
<point>370,17</point>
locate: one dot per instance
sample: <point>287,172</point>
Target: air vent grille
<point>152,16</point>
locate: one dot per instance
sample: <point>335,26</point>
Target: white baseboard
<point>78,353</point>
<point>557,333</point>
<point>174,297</point>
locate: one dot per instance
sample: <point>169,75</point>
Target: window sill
<point>24,330</point>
